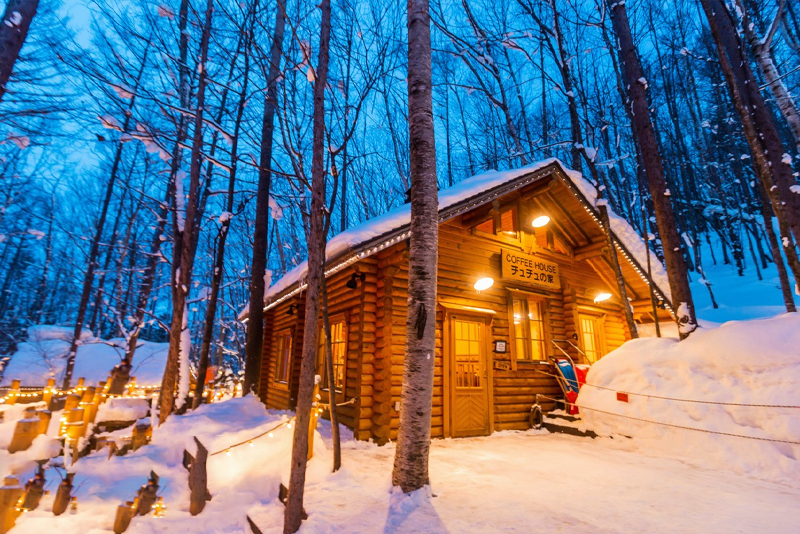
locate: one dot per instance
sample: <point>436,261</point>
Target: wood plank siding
<point>374,313</point>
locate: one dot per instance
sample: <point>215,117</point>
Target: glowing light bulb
<point>540,221</point>
<point>602,296</point>
<point>484,283</point>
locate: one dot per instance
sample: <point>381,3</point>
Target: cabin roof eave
<point>294,282</point>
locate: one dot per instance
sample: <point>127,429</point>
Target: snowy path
<point>510,482</point>
<point>530,482</point>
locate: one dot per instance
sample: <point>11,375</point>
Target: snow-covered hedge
<point>741,362</point>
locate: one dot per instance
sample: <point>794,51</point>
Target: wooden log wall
<point>376,315</point>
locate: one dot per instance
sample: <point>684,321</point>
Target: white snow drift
<point>753,362</point>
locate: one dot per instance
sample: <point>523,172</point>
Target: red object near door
<point>622,397</point>
<point>211,373</point>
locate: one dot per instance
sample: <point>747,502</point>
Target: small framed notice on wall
<point>500,346</point>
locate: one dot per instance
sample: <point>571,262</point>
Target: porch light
<point>540,221</point>
<point>484,283</point>
<point>602,296</point>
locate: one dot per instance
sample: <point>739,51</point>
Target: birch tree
<point>316,258</point>
<point>410,471</point>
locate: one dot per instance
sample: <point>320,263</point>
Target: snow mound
<point>753,362</point>
<point>46,332</point>
<point>244,482</point>
<point>44,356</point>
<point>122,409</point>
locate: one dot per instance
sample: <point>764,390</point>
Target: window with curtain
<point>284,357</point>
<point>528,328</point>
<point>338,353</point>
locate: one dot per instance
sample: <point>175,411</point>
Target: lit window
<point>591,336</point>
<point>284,354</point>
<point>528,328</point>
<point>338,351</point>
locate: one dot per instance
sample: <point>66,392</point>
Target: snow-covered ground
<point>738,297</point>
<point>515,482</point>
<point>742,378</point>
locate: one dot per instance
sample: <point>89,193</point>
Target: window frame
<point>279,342</point>
<point>600,333</point>
<point>542,302</point>
<point>321,367</point>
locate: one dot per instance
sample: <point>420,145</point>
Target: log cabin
<point>524,274</point>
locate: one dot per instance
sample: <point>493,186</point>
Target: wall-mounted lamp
<point>602,296</point>
<point>540,221</point>
<point>484,283</point>
<point>292,310</point>
<point>353,282</point>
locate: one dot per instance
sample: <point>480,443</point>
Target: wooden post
<point>124,515</point>
<point>47,395</point>
<point>73,426</point>
<point>141,435</point>
<point>24,434</point>
<point>198,478</point>
<point>10,494</point>
<point>72,401</point>
<point>312,421</point>
<point>147,494</point>
<point>63,495</point>
<point>34,490</point>
<point>89,405</point>
<point>44,420</point>
<point>14,393</point>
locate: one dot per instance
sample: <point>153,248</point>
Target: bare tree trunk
<point>41,292</point>
<point>13,31</point>
<point>762,52</point>
<point>332,408</point>
<point>88,278</point>
<point>765,144</point>
<point>219,258</point>
<point>315,236</point>
<point>183,254</point>
<point>654,171</point>
<point>775,248</point>
<point>255,325</point>
<point>410,471</point>
<point>614,259</point>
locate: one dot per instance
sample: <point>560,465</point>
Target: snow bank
<point>246,481</point>
<point>46,332</point>
<point>747,362</point>
<point>44,356</point>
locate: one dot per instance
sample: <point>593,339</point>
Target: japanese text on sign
<point>529,269</point>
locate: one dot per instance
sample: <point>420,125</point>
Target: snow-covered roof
<point>369,237</point>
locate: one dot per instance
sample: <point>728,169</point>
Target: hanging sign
<point>529,269</point>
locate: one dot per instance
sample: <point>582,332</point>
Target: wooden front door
<point>469,394</point>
